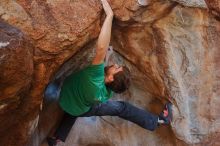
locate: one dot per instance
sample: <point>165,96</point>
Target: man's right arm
<point>105,35</point>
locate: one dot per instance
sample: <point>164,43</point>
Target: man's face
<point>111,71</point>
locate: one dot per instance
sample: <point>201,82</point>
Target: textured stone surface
<point>214,6</point>
<point>16,72</point>
<point>171,47</point>
<point>191,42</point>
<point>16,62</point>
<point>192,3</point>
<point>57,30</point>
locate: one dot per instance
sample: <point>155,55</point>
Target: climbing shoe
<point>51,141</point>
<point>54,142</point>
<point>166,114</point>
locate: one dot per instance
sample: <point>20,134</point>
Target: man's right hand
<point>107,8</point>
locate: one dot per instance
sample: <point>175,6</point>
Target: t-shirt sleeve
<point>95,72</point>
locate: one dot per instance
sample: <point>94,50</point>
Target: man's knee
<point>114,107</point>
<point>120,107</point>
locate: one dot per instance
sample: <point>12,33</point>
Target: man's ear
<point>109,78</point>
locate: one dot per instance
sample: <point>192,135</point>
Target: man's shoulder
<point>94,67</point>
<point>95,73</point>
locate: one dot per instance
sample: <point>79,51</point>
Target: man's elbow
<point>100,49</point>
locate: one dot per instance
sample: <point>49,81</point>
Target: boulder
<point>171,48</point>
<point>16,76</point>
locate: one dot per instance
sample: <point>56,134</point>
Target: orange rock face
<point>56,31</point>
<point>16,72</point>
<point>214,6</point>
<point>171,49</point>
<point>16,62</point>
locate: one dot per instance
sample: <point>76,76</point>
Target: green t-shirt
<point>83,89</point>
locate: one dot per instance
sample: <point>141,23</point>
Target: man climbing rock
<point>85,93</point>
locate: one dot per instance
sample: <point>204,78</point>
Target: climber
<point>85,93</point>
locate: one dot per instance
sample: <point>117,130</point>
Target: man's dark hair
<point>121,81</point>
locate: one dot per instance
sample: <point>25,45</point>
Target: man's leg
<point>126,111</point>
<point>63,129</point>
<point>65,126</point>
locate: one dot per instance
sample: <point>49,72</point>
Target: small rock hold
<point>3,44</point>
<point>143,2</point>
